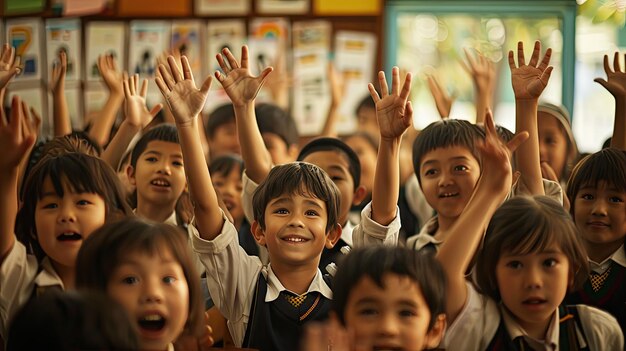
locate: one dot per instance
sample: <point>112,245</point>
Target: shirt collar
<point>618,257</point>
<point>48,276</point>
<point>515,330</point>
<point>275,287</point>
<point>172,219</point>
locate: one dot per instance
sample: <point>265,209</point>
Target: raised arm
<point>17,135</point>
<point>395,115</point>
<point>242,88</point>
<point>335,81</point>
<point>465,235</point>
<point>443,100</point>
<point>186,102</point>
<point>529,81</point>
<point>60,112</point>
<point>615,83</point>
<point>101,128</point>
<point>483,74</point>
<point>9,68</point>
<point>136,117</point>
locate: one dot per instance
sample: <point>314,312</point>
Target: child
<point>147,267</point>
<point>65,199</point>
<point>391,298</point>
<point>597,193</point>
<point>69,321</point>
<point>221,132</point>
<point>447,163</point>
<point>529,257</point>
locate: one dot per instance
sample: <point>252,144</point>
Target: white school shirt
<point>478,321</point>
<point>618,257</point>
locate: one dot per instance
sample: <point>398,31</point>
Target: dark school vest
<point>568,338</point>
<point>273,326</point>
<point>331,255</point>
<point>610,298</point>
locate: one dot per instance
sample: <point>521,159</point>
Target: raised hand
<point>393,110</point>
<point>530,80</point>
<point>443,100</point>
<point>9,66</point>
<point>59,69</point>
<point>17,135</point>
<point>335,80</point>
<point>184,99</point>
<point>615,81</point>
<point>136,111</point>
<point>238,83</point>
<point>481,69</point>
<point>111,76</point>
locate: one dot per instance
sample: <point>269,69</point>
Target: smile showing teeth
<point>448,195</point>
<point>152,322</point>
<point>295,240</point>
<point>160,182</point>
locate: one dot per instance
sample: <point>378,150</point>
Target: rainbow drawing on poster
<point>269,30</point>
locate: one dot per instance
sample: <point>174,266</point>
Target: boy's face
<point>159,175</point>
<point>295,230</point>
<point>447,177</point>
<point>278,149</point>
<point>552,142</point>
<point>395,316</point>
<point>600,215</point>
<point>335,164</point>
<point>224,140</point>
<point>367,121</point>
<point>367,156</point>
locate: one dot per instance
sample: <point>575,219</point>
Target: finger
<point>534,58</point>
<point>244,56</point>
<point>11,56</point>
<point>156,109</point>
<point>517,140</point>
<point>373,93</point>
<point>167,78</point>
<point>607,68</point>
<point>187,74</point>
<point>63,57</point>
<point>5,53</point>
<point>174,69</point>
<point>223,65</point>
<point>395,80</point>
<point>133,84</point>
<point>15,123</point>
<point>548,173</point>
<point>127,93</point>
<point>602,82</point>
<point>546,60</point>
<point>165,90</point>
<point>406,87</point>
<point>490,124</point>
<point>511,60</point>
<point>265,73</point>
<point>232,61</point>
<point>36,120</point>
<point>206,86</point>
<point>520,54</point>
<point>382,83</point>
<point>616,67</point>
<point>470,59</point>
<point>408,116</point>
<point>144,89</point>
<point>545,76</point>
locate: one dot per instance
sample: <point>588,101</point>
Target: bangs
<point>539,241</point>
<point>223,165</point>
<point>607,169</point>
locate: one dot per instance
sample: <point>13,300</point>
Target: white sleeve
<point>249,187</point>
<point>601,329</point>
<point>368,232</point>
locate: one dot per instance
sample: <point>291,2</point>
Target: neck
<point>153,212</point>
<point>443,224</point>
<point>537,330</point>
<point>67,275</point>
<point>296,279</point>
<point>599,252</point>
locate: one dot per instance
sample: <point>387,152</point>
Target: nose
<point>532,278</point>
<point>296,221</point>
<point>445,178</point>
<point>389,325</point>
<point>599,207</point>
<point>164,168</point>
<point>152,291</point>
<point>66,214</point>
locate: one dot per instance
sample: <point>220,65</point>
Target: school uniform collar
<point>48,276</point>
<point>275,287</point>
<point>618,257</point>
<point>346,233</point>
<point>551,342</point>
<point>170,220</point>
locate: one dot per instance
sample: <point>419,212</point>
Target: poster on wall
<point>148,40</point>
<point>354,61</point>
<point>311,95</point>
<point>186,39</point>
<point>64,36</point>
<point>268,38</point>
<point>222,7</point>
<point>283,6</point>
<point>104,38</point>
<point>25,35</point>
<point>36,99</point>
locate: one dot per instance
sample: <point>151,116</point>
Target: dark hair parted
<point>366,102</point>
<point>443,134</point>
<point>105,248</point>
<point>608,165</point>
<point>222,114</point>
<point>526,225</point>
<point>162,132</point>
<point>334,144</point>
<point>297,178</point>
<point>225,164</point>
<point>79,173</point>
<point>375,262</point>
<point>69,321</point>
<point>273,119</point>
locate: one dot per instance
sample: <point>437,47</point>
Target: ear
<point>130,173</point>
<point>435,334</point>
<point>293,151</point>
<point>333,236</point>
<point>359,195</point>
<point>258,233</point>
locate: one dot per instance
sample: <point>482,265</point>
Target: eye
<point>461,168</point>
<point>51,205</point>
<point>367,311</point>
<point>311,213</point>
<point>429,172</point>
<point>336,178</point>
<point>83,202</point>
<point>514,264</point>
<point>586,197</point>
<point>169,279</point>
<point>151,159</point>
<point>616,199</point>
<point>407,313</point>
<point>177,163</point>
<point>130,280</point>
<point>550,262</point>
<point>281,211</point>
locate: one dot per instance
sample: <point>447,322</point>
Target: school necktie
<point>295,300</point>
<point>301,305</point>
<point>597,279</point>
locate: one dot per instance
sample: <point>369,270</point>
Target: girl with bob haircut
<point>531,255</point>
<point>597,193</point>
<point>147,267</point>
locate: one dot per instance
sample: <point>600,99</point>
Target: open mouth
<point>151,322</point>
<point>295,239</point>
<point>160,183</point>
<point>447,195</point>
<point>69,236</point>
<point>534,302</point>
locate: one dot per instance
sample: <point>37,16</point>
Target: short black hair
<point>376,261</point>
<point>273,119</point>
<point>223,114</point>
<point>366,102</point>
<point>297,178</point>
<point>334,144</point>
<point>443,134</point>
<point>225,164</point>
<point>162,132</point>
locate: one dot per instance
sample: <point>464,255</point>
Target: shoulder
<point>601,329</point>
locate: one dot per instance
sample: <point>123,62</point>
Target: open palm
<point>615,81</point>
<point>530,80</point>
<point>393,110</point>
<point>238,83</point>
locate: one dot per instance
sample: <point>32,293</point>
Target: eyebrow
<point>337,168</point>
<point>460,158</point>
<point>287,200</point>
